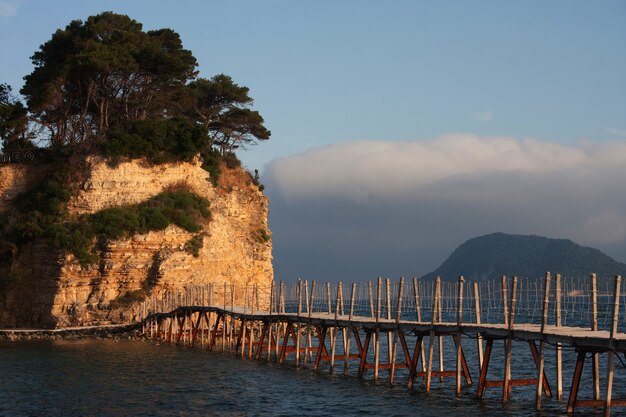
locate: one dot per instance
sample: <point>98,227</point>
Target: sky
<point>401,129</point>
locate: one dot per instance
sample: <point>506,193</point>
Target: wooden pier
<point>321,327</point>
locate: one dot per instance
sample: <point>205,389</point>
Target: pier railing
<point>572,302</point>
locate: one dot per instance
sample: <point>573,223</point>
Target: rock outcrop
<point>52,289</point>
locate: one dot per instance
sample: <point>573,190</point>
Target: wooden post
<point>223,341</point>
<point>389,337</point>
<point>506,386</point>
<point>330,310</point>
<point>395,336</point>
<point>371,294</point>
<point>243,323</point>
<point>377,333</point>
<point>459,348</point>
<point>231,328</point>
<point>559,348</point>
<point>297,329</point>
<point>344,331</point>
<point>418,316</point>
<point>505,305</point>
<point>479,336</point>
<point>611,364</point>
<point>309,341</point>
<point>440,338</point>
<point>505,300</point>
<point>280,330</point>
<point>595,360</point>
<point>350,314</point>
<point>333,346</point>
<point>270,325</point>
<point>416,295</point>
<point>431,347</point>
<point>542,346</point>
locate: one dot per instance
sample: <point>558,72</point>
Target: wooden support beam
<point>377,331</point>
<point>578,371</point>
<point>363,350</point>
<point>611,364</point>
<point>264,330</point>
<point>595,360</point>
<point>283,351</point>
<point>320,347</point>
<point>431,345</point>
<point>394,344</point>
<point>457,337</point>
<point>214,335</point>
<point>480,392</point>
<point>416,356</point>
<point>479,337</point>
<point>506,388</point>
<point>558,347</point>
<point>544,321</point>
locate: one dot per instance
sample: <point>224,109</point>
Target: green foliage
<point>106,80</point>
<point>263,236</point>
<point>194,245</point>
<point>256,180</point>
<point>211,163</point>
<point>13,121</point>
<point>179,207</point>
<point>158,140</point>
<point>97,74</point>
<point>222,107</point>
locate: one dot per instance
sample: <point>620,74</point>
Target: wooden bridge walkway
<point>336,338</point>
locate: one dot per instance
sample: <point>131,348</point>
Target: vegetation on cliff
<point>106,87</point>
<point>493,255</point>
<point>44,217</point>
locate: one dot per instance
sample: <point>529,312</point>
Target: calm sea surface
<point>137,378</point>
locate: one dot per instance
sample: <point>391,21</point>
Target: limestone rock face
<point>52,289</point>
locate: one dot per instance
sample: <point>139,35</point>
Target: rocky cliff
<point>52,289</point>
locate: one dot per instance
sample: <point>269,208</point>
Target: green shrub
<point>194,245</point>
<point>179,207</point>
<point>263,236</point>
<point>211,163</point>
<point>159,141</point>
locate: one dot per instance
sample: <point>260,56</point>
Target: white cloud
<point>449,189</point>
<point>8,8</point>
<point>616,131</point>
<point>374,168</point>
<point>484,116</point>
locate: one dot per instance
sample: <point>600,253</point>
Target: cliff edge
<point>51,288</point>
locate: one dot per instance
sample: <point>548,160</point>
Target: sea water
<point>142,378</point>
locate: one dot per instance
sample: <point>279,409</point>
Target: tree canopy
<point>13,120</point>
<point>107,85</point>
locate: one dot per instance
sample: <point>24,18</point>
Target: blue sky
<point>329,71</point>
<point>535,74</point>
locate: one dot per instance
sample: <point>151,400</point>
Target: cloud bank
<point>414,202</point>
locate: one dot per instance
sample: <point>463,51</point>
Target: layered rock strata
<point>52,289</point>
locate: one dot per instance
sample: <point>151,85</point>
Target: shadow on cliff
<point>29,288</point>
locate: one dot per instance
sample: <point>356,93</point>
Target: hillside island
<point>119,179</point>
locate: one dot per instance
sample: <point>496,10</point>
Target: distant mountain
<point>496,254</point>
